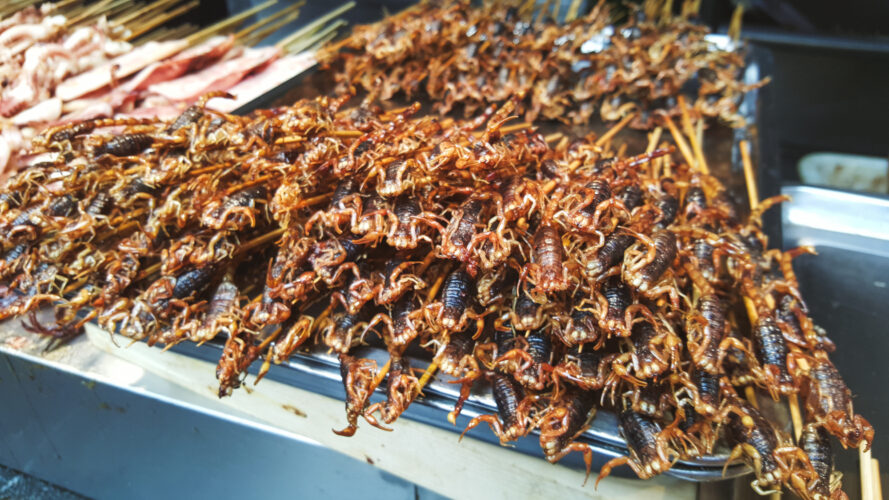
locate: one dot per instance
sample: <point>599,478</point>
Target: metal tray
<point>319,372</point>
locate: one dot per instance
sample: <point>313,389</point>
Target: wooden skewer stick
<point>302,44</point>
<point>878,488</point>
<point>382,373</point>
<point>260,241</point>
<point>156,35</point>
<point>211,168</point>
<point>308,202</point>
<point>680,141</point>
<point>795,415</point>
<point>427,261</point>
<point>119,7</point>
<point>148,271</point>
<point>177,33</point>
<point>347,133</point>
<point>553,137</point>
<point>527,8</point>
<point>433,290</point>
<point>313,26</point>
<point>88,12</point>
<point>607,136</point>
<point>749,175</point>
<point>321,42</point>
<point>260,34</point>
<point>227,23</point>
<point>430,371</point>
<point>653,139</point>
<point>55,6</point>
<point>245,185</point>
<point>544,9</point>
<point>692,137</point>
<point>127,11</point>
<point>573,9</point>
<point>867,473</point>
<point>138,14</point>
<point>734,27</point>
<point>268,30</point>
<point>246,247</point>
<point>264,21</point>
<point>667,12</point>
<point>159,20</point>
<point>107,9</point>
<point>507,129</point>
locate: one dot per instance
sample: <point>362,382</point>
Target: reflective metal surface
<point>105,428</point>
<point>319,372</point>
<point>847,290</point>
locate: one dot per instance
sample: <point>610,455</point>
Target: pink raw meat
<point>193,59</point>
<point>273,75</point>
<point>220,76</point>
<point>121,66</point>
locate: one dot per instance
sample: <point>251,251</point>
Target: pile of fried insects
<point>569,274</point>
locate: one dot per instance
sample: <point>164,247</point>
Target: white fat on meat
<point>48,110</point>
<point>119,67</point>
<point>192,59</point>
<point>256,85</point>
<point>220,76</point>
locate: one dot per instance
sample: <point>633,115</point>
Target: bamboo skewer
<point>321,42</point>
<point>163,19</point>
<point>58,6</point>
<point>120,7</point>
<point>126,12</point>
<point>653,139</point>
<point>553,137</point>
<point>867,473</point>
<point>156,35</point>
<point>283,13</point>
<point>734,29</point>
<point>680,141</point>
<point>427,375</point>
<point>313,26</point>
<point>573,9</point>
<point>607,136</point>
<point>107,10</point>
<point>177,33</point>
<point>260,241</point>
<point>749,175</point>
<point>301,45</point>
<point>556,10</point>
<point>142,11</point>
<point>693,137</point>
<point>543,10</point>
<point>382,373</point>
<point>87,12</point>
<point>271,28</point>
<point>227,23</point>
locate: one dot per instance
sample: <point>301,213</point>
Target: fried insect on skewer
<point>472,57</point>
<point>569,277</point>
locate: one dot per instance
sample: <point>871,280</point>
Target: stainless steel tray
<point>319,372</point>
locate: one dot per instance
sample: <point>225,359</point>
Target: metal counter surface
<point>104,427</point>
